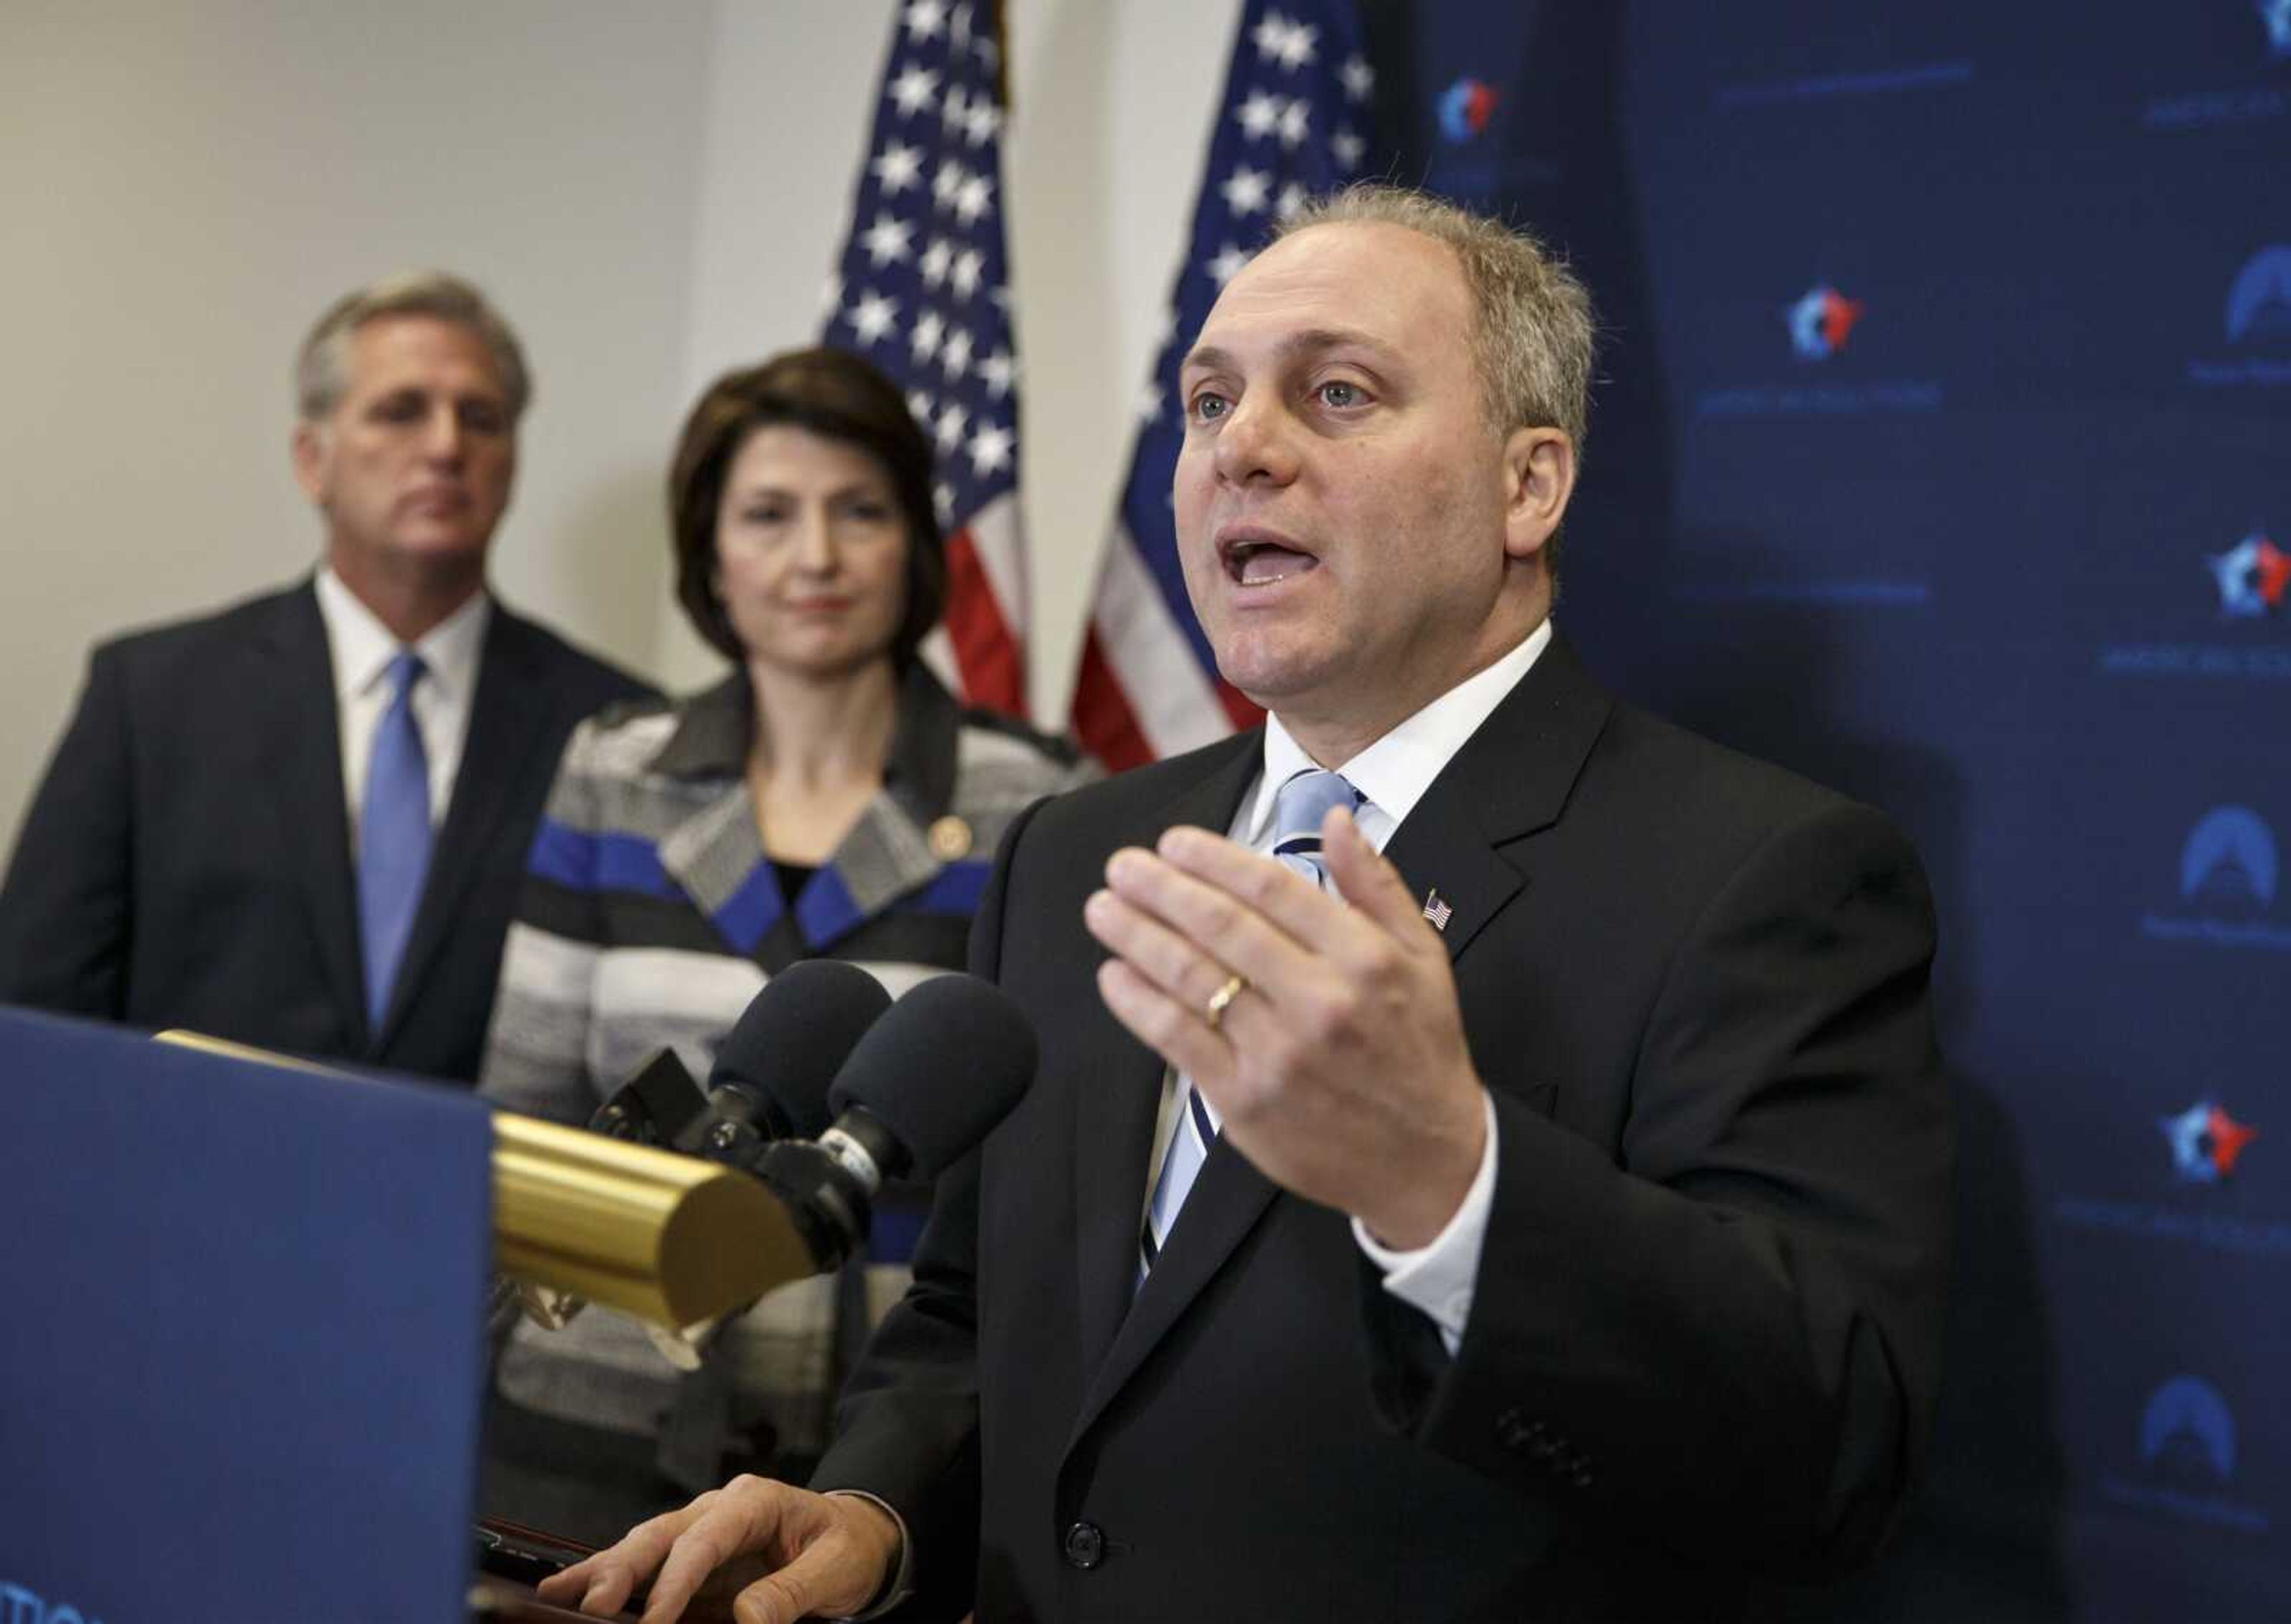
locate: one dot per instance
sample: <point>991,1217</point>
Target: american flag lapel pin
<point>1437,910</point>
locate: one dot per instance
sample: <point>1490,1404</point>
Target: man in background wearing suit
<point>1506,1181</point>
<point>302,823</point>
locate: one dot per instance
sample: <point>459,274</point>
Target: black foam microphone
<point>925,1084</point>
<point>772,1072</point>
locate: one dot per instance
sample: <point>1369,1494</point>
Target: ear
<point>1538,478</point>
<point>309,454</point>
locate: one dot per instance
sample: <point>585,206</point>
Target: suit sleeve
<point>1726,1340</point>
<point>907,1427</point>
<point>67,906</point>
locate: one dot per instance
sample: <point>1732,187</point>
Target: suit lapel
<point>496,754</point>
<point>1509,782</point>
<point>295,690</point>
<point>887,853</point>
<point>1115,1122</point>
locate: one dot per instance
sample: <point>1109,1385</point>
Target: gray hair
<point>322,370</point>
<point>1533,332</point>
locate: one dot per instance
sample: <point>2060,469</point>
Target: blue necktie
<point>1298,808</point>
<point>393,837</point>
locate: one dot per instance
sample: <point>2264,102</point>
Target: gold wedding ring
<point>1213,1011</point>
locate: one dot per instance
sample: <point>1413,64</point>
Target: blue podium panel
<point>241,1352</point>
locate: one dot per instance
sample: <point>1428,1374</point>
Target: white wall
<point>652,193</point>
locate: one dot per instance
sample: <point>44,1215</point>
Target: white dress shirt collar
<point>363,646</point>
<point>1395,772</point>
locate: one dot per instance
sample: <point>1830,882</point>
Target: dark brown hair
<point>834,394</point>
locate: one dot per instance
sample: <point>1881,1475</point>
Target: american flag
<point>1295,122</point>
<point>923,291</point>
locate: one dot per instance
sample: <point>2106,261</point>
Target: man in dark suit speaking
<point>1501,1176</point>
<point>301,822</point>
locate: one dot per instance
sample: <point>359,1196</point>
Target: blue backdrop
<point>1939,454</point>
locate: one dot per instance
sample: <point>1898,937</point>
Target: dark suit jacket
<point>186,862</point>
<point>1702,1341</point>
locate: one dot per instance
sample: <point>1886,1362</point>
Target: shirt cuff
<point>903,1578</point>
<point>1436,1278</point>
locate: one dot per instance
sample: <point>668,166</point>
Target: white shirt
<point>1393,773</point>
<point>362,648</point>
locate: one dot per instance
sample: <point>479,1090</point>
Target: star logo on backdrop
<point>2206,1142</point>
<point>1820,321</point>
<point>2251,575</point>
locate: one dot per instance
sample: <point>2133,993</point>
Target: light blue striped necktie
<point>1298,808</point>
<point>394,837</point>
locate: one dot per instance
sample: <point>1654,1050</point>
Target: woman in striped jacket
<point>828,798</point>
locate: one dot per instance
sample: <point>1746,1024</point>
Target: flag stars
<point>897,167</point>
<point>922,343</point>
<point>1358,78</point>
<point>1228,264</point>
<point>990,449</point>
<point>955,109</point>
<point>963,277</point>
<point>887,240</point>
<point>925,18</point>
<point>873,316</point>
<point>920,406</point>
<point>972,197</point>
<point>1295,119</point>
<point>1292,199</point>
<point>1245,189</point>
<point>1347,148</point>
<point>980,124</point>
<point>942,501</point>
<point>997,373</point>
<point>1259,114</point>
<point>912,90</point>
<point>936,260</point>
<point>1289,43</point>
<point>955,355</point>
<point>947,182</point>
<point>951,425</point>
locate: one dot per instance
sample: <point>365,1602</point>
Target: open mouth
<point>1261,563</point>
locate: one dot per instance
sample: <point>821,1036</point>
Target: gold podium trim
<point>670,1239</point>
